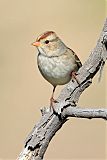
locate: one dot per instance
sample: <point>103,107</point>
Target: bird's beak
<point>36,43</point>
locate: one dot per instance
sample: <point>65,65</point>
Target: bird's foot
<point>52,101</point>
<point>74,74</point>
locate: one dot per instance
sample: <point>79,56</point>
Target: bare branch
<point>85,113</point>
<point>39,138</point>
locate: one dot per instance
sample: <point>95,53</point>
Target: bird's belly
<point>55,71</point>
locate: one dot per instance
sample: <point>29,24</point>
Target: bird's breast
<point>56,70</point>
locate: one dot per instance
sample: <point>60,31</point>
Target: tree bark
<point>39,138</point>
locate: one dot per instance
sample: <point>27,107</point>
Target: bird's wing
<point>76,58</point>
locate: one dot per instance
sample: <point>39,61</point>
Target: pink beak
<point>36,43</point>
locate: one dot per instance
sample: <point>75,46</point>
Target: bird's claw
<point>52,101</point>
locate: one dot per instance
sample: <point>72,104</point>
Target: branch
<point>85,113</point>
<point>39,138</point>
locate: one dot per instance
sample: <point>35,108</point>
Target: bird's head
<point>49,44</point>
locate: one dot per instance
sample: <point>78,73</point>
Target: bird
<point>57,63</point>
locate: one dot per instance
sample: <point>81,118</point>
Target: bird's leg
<point>74,74</point>
<point>52,100</point>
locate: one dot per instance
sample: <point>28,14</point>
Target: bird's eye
<point>47,41</point>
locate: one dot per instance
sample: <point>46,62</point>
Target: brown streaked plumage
<point>56,62</point>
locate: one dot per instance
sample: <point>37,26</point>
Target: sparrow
<point>57,63</point>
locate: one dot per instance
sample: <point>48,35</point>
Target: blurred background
<point>23,91</point>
